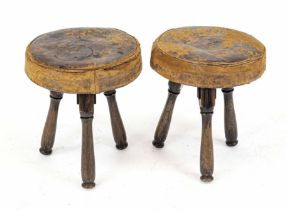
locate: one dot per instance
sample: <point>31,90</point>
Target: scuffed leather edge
<point>90,80</point>
<point>206,76</point>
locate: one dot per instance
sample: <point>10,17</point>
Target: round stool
<point>84,61</point>
<point>207,58</point>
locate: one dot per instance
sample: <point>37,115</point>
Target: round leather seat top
<point>208,57</point>
<point>83,60</point>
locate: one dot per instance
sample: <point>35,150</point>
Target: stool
<point>207,58</point>
<point>84,61</point>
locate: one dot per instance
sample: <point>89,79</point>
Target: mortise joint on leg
<point>174,88</point>
<point>110,93</point>
<point>56,95</point>
<point>206,98</point>
<point>227,90</point>
<point>78,95</point>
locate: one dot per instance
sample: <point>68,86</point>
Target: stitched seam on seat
<point>133,56</point>
<point>214,63</point>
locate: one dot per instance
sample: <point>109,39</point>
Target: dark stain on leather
<point>208,44</point>
<point>82,47</point>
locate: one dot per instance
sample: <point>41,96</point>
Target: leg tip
<point>158,144</point>
<point>231,143</point>
<point>88,185</point>
<point>45,151</point>
<point>206,178</point>
<point>122,146</point>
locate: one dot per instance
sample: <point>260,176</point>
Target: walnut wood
<point>165,118</point>
<point>230,125</point>
<point>48,136</point>
<point>86,106</point>
<point>116,121</point>
<point>207,101</point>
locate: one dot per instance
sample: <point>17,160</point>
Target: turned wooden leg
<point>48,136</point>
<point>86,105</point>
<point>207,101</point>
<point>165,118</point>
<point>119,132</point>
<point>230,125</point>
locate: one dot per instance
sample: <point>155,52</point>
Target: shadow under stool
<point>207,58</point>
<point>86,62</point>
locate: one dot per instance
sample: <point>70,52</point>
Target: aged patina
<point>208,57</point>
<point>83,60</point>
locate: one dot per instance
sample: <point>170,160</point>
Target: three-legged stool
<point>83,61</point>
<point>207,58</point>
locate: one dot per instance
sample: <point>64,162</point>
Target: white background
<point>252,175</point>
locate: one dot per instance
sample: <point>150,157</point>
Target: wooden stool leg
<point>165,118</point>
<point>119,132</point>
<point>230,125</point>
<point>86,105</point>
<point>48,136</point>
<point>207,101</point>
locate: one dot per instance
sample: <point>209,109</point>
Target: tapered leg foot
<point>207,101</point>
<point>158,144</point>
<point>230,125</point>
<point>206,178</point>
<point>121,146</point>
<point>119,132</point>
<point>45,151</point>
<point>86,105</point>
<point>231,143</point>
<point>88,185</point>
<point>165,118</point>
<point>48,136</point>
